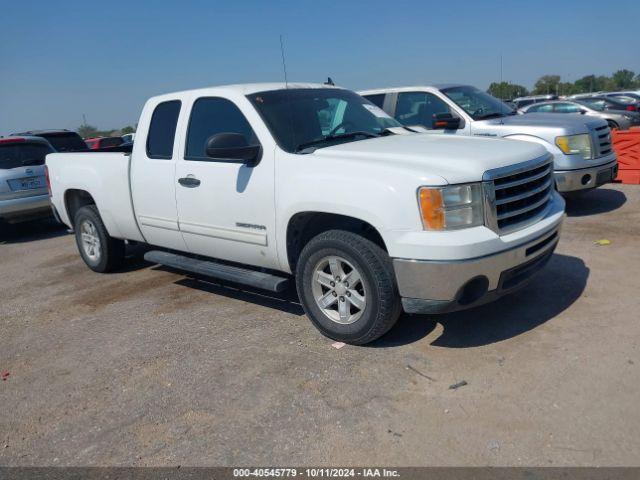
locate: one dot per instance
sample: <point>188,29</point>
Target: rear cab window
<point>162,130</point>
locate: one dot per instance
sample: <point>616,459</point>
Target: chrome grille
<point>601,140</point>
<point>518,195</point>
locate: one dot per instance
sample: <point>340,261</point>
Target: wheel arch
<point>303,226</point>
<point>74,200</point>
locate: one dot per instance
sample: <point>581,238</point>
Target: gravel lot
<point>151,367</point>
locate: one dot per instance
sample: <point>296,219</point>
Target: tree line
<point>552,84</point>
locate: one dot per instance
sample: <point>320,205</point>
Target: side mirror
<point>583,111</point>
<point>233,147</point>
<point>445,121</point>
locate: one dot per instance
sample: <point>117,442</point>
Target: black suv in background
<point>61,140</point>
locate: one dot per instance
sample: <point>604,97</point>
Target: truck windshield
<point>304,119</point>
<point>478,104</point>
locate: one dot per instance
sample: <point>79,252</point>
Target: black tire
<point>111,250</point>
<point>612,125</point>
<point>383,305</point>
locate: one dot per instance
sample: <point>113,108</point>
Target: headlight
<point>452,207</point>
<point>575,144</point>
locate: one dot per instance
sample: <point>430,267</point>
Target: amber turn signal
<point>431,208</point>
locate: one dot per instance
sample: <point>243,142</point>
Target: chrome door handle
<point>189,181</point>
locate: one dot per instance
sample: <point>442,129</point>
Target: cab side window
<point>377,99</point>
<point>162,130</point>
<point>210,116</point>
<point>541,108</point>
<point>566,108</point>
<point>419,108</point>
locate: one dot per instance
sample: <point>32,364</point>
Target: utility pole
<point>84,119</point>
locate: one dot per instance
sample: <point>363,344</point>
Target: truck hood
<point>453,159</point>
<point>542,125</point>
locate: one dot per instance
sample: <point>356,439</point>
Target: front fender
<point>386,206</point>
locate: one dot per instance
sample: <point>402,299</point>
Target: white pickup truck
<point>255,184</point>
<point>581,145</point>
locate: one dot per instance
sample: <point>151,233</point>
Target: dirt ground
<point>151,367</point>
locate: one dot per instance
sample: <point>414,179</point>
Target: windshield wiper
<point>305,145</point>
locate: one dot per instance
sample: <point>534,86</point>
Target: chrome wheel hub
<point>338,290</point>
<point>90,240</point>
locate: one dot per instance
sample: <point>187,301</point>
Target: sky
<point>62,60</point>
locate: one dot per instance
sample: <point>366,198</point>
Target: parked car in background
<point>316,182</point>
<point>581,147</point>
<point>610,103</point>
<point>579,96</point>
<point>524,101</point>
<point>615,119</point>
<point>60,140</point>
<point>96,143</point>
<point>23,186</point>
<point>627,97</point>
<point>128,137</point>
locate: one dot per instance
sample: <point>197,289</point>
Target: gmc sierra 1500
<point>257,183</point>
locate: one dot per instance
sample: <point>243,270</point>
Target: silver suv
<point>23,184</point>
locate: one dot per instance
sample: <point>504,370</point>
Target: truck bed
<point>105,176</point>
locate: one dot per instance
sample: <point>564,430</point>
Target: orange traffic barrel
<point>626,144</point>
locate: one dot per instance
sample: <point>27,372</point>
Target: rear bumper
<point>586,178</point>
<point>445,286</point>
<point>26,207</point>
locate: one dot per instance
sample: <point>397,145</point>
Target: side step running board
<point>206,268</point>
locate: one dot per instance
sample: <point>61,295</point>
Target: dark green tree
<point>547,84</point>
<point>128,129</point>
<point>623,79</point>
<point>592,83</point>
<point>506,90</point>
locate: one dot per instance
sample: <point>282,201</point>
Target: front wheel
<point>99,251</point>
<point>347,287</point>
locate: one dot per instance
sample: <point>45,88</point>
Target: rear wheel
<point>99,251</point>
<point>612,125</point>
<point>347,287</point>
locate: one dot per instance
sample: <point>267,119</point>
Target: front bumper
<point>444,286</point>
<point>25,207</point>
<point>586,178</point>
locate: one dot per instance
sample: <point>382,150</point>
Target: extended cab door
<point>226,208</point>
<point>153,174</point>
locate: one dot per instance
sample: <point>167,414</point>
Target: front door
<point>225,208</point>
<point>420,108</point>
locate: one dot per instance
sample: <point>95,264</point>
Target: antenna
<point>286,87</point>
<point>501,93</point>
<point>284,64</point>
